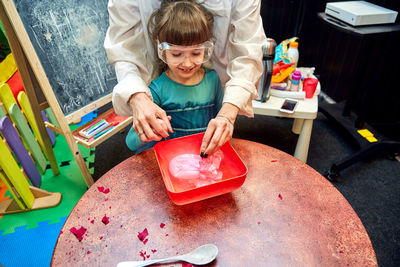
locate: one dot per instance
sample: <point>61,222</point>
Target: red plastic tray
<point>233,169</point>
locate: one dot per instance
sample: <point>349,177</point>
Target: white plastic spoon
<point>200,256</point>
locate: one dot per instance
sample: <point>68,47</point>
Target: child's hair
<point>182,22</point>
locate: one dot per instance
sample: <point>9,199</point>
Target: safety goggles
<point>176,54</point>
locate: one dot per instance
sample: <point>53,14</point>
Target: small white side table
<point>304,115</point>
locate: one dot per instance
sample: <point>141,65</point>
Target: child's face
<point>176,55</point>
<point>184,62</point>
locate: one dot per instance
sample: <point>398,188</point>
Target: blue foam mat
<point>30,247</point>
<point>88,117</point>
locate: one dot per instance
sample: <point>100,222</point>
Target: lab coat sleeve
<point>245,55</point>
<point>124,45</point>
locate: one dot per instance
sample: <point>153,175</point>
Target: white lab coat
<point>237,57</point>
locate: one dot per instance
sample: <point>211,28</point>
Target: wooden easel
<point>28,84</point>
<point>36,82</point>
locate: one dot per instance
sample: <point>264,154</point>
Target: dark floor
<point>372,187</point>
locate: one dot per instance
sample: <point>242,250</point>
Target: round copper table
<point>285,214</point>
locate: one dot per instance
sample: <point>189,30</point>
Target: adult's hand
<point>219,130</point>
<point>150,122</point>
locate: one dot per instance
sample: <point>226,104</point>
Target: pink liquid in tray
<point>190,171</point>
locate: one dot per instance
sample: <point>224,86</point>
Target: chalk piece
<point>103,132</point>
<point>96,130</point>
<point>92,125</point>
<point>85,132</point>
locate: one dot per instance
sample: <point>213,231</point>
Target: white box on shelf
<point>359,13</point>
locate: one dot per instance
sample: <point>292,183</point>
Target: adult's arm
<point>246,38</point>
<point>245,55</point>
<point>127,51</point>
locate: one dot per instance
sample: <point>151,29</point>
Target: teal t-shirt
<point>191,107</point>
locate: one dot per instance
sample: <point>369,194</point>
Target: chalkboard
<point>68,38</point>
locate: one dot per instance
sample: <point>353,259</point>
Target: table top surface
<point>285,214</point>
<point>305,109</point>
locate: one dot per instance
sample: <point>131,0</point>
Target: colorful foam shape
<point>8,185</point>
<point>3,191</point>
<point>7,68</point>
<point>27,109</point>
<point>88,117</point>
<point>52,118</point>
<point>16,84</point>
<point>69,183</point>
<point>20,152</point>
<point>15,176</point>
<point>4,46</point>
<point>6,96</point>
<point>2,112</point>
<point>30,247</point>
<point>50,132</point>
<point>28,137</point>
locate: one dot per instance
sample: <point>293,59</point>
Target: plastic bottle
<point>293,52</point>
<point>295,81</point>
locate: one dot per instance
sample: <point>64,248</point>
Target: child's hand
<point>219,130</point>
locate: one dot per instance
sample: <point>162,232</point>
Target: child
<point>190,93</point>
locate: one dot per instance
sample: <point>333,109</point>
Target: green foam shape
<point>52,118</point>
<point>2,113</point>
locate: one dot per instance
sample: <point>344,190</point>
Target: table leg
<point>297,125</point>
<point>303,142</point>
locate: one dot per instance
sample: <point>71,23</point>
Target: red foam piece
<point>16,84</point>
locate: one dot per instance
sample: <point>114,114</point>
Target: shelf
<point>111,117</point>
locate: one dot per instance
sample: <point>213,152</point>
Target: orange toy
<point>280,66</point>
<point>282,75</point>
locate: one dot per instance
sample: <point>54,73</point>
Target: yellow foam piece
<point>15,176</point>
<point>6,96</point>
<point>7,68</point>
<point>371,139</point>
<point>365,133</point>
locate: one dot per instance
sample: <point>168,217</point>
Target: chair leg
<point>386,147</point>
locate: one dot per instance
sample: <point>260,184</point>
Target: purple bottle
<point>296,77</point>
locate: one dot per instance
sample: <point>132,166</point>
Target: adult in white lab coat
<point>237,58</point>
